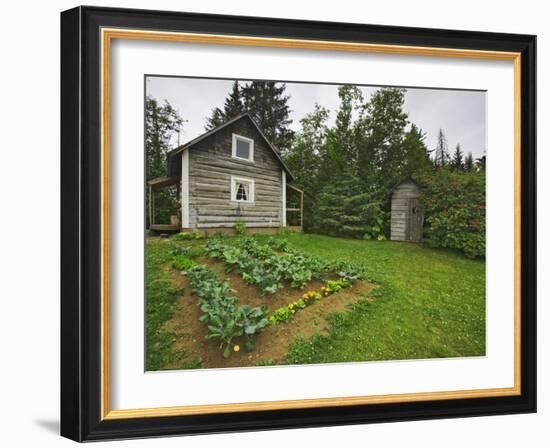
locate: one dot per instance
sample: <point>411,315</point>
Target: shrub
<point>240,226</point>
<point>454,204</point>
<point>345,210</point>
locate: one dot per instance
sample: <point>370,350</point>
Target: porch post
<point>302,209</point>
<point>150,206</point>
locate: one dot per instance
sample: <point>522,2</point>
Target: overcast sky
<point>461,114</point>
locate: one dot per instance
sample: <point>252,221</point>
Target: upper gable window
<point>242,148</point>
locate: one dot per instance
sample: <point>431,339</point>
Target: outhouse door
<point>416,220</point>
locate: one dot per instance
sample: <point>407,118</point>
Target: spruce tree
<point>232,107</point>
<point>480,163</point>
<point>216,119</point>
<point>344,209</point>
<point>415,152</point>
<point>267,104</point>
<point>469,163</point>
<point>457,163</point>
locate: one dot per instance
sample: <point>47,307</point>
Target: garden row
<point>268,265</point>
<point>225,319</point>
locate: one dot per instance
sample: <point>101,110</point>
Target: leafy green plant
<point>334,286</point>
<point>240,227</point>
<point>278,244</point>
<point>177,249</point>
<point>348,271</point>
<point>454,204</point>
<point>260,265</point>
<point>225,320</point>
<point>266,362</point>
<point>182,262</point>
<point>182,236</point>
<point>283,314</point>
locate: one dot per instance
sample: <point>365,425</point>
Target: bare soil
<point>271,345</point>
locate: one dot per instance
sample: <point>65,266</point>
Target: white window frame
<point>234,139</point>
<point>251,189</point>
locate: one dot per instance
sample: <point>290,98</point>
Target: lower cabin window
<point>242,190</point>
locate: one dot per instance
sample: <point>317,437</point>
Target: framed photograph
<point>271,223</point>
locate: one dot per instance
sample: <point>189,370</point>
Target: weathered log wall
<point>210,169</point>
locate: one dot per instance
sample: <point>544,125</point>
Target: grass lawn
<point>428,303</point>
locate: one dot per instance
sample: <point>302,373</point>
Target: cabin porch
<point>170,187</point>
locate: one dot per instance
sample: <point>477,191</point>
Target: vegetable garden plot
<point>250,300</point>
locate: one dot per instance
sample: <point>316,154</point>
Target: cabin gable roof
<point>186,146</point>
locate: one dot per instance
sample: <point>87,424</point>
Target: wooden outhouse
<point>407,216</point>
<point>227,175</point>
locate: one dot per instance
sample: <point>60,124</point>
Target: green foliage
<point>286,313</point>
<point>260,265</point>
<point>454,204</point>
<point>195,234</point>
<point>266,362</point>
<point>283,314</point>
<point>160,306</point>
<point>225,320</point>
<point>182,262</point>
<point>162,121</point>
<point>441,158</point>
<point>278,244</point>
<point>334,286</point>
<point>267,104</point>
<point>457,162</point>
<point>348,170</point>
<point>469,163</point>
<point>240,226</point>
<point>233,106</point>
<point>380,137</point>
<point>195,251</point>
<point>182,236</point>
<point>305,161</point>
<point>344,210</point>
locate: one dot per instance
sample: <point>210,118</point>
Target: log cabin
<point>230,174</point>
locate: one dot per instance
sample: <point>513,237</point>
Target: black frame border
<point>81,223</point>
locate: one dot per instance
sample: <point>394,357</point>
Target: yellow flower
<point>236,348</point>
